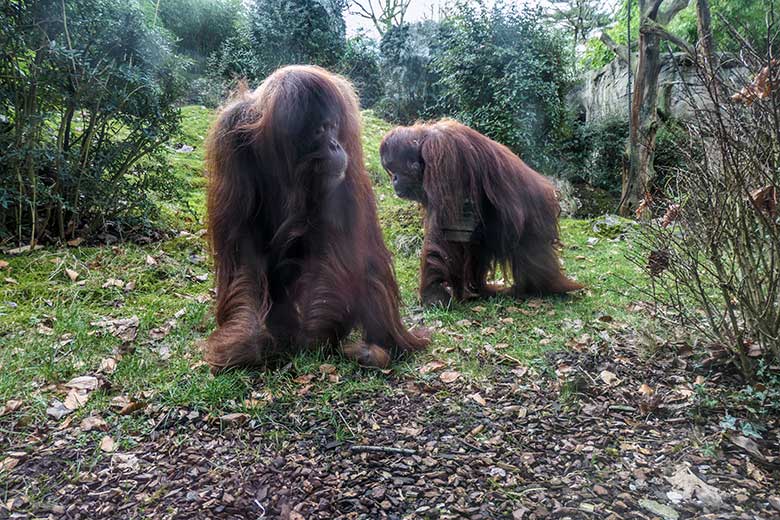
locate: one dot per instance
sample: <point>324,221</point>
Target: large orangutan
<point>484,209</point>
<point>293,228</point>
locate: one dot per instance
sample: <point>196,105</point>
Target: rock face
<point>602,94</point>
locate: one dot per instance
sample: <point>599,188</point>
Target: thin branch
<point>651,27</point>
<point>357,448</point>
<point>651,10</point>
<point>621,51</point>
<point>666,16</point>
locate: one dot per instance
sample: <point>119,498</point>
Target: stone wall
<point>602,93</point>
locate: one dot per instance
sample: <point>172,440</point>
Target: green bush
<point>88,98</point>
<point>596,153</point>
<point>200,26</point>
<point>502,71</point>
<point>409,81</point>
<point>360,63</point>
<point>297,31</point>
<point>235,59</point>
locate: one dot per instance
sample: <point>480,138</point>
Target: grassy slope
<point>48,337</point>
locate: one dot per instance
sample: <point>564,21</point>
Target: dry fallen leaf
<point>150,260</point>
<point>76,399</point>
<point>125,329</point>
<point>608,377</point>
<point>124,405</point>
<point>750,446</point>
<point>73,275</point>
<point>93,422</point>
<point>563,370</point>
<point>431,366</point>
<point>126,461</point>
<point>688,485</point>
<point>107,444</point>
<point>327,369</point>
<point>8,464</point>
<point>754,472</point>
<point>477,399</point>
<point>57,409</point>
<point>413,430</point>
<point>10,406</point>
<point>88,383</point>
<point>303,379</point>
<point>3,264</point>
<point>449,376</point>
<point>107,365</point>
<point>113,282</point>
<point>234,418</point>
<point>75,242</point>
<point>646,390</point>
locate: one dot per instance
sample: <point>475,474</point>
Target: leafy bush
<point>235,59</point>
<point>502,71</point>
<point>200,26</point>
<point>88,98</point>
<point>297,31</point>
<point>360,63</point>
<point>596,153</point>
<point>409,81</point>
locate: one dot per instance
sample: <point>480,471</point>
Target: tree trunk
<point>644,125</point>
<point>638,178</point>
<point>704,30</point>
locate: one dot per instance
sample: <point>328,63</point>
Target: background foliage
<point>88,93</point>
<point>503,71</point>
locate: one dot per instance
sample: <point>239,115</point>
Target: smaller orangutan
<point>484,209</point>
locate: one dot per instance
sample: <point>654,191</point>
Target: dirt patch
<point>610,436</point>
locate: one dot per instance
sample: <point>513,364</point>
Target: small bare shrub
<point>714,253</point>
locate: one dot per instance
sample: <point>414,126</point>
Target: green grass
<point>48,334</point>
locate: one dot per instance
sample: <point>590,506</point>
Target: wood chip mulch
<point>513,447</point>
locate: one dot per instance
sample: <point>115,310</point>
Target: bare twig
<point>621,51</point>
<point>362,448</point>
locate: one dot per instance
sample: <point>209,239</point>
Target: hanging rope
<point>628,46</point>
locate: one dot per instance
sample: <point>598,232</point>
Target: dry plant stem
<point>723,274</point>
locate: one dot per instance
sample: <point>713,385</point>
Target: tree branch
<point>621,51</point>
<point>650,27</point>
<point>666,16</point>
<point>651,10</point>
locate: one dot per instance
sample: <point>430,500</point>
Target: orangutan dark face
<point>401,157</point>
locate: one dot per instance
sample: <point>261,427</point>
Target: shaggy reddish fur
<point>299,255</point>
<point>516,212</point>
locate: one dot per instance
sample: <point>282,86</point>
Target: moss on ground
<point>51,303</point>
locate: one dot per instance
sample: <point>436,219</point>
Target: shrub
<point>596,153</point>
<point>89,99</point>
<point>200,26</point>
<point>360,63</point>
<point>297,31</point>
<point>235,59</point>
<point>502,71</point>
<point>714,256</point>
<point>409,81</point>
